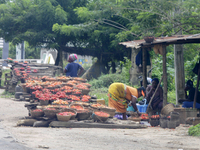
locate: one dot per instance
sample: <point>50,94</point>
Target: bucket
<point>142,108</point>
<point>130,108</point>
<point>167,109</point>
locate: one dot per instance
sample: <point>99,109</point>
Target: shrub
<point>195,130</point>
<point>171,97</point>
<point>107,80</point>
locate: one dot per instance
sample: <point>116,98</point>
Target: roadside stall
<point>62,102</point>
<point>170,116</point>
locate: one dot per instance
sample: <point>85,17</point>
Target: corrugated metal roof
<point>176,39</point>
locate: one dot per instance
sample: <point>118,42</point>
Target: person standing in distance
<point>73,69</point>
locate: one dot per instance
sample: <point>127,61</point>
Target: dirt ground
<point>152,138</point>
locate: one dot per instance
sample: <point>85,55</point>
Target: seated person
<point>188,101</point>
<point>157,101</point>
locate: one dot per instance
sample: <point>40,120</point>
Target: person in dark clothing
<point>157,101</point>
<point>189,99</point>
<point>72,69</point>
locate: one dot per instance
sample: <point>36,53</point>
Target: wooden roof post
<point>144,67</point>
<point>179,72</point>
<point>164,75</point>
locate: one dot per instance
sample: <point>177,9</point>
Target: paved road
<point>7,142</point>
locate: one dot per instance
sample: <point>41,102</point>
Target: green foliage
<point>108,79</point>
<point>30,52</point>
<point>7,94</point>
<point>86,66</point>
<point>194,130</point>
<point>32,21</point>
<point>171,97</point>
<point>3,76</point>
<point>126,66</point>
<point>158,68</point>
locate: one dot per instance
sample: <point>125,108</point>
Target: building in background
<point>1,43</point>
<point>48,56</point>
<point>81,59</point>
<point>20,51</point>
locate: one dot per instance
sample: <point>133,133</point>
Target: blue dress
<point>72,69</point>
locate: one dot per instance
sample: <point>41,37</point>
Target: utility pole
<point>22,50</point>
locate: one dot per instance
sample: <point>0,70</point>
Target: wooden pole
<point>153,95</point>
<point>164,75</point>
<point>144,67</point>
<point>196,90</point>
<point>179,72</point>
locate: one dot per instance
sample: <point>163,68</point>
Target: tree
<point>96,34</point>
<point>32,21</point>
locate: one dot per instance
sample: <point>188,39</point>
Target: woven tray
<point>80,79</point>
<point>167,109</point>
<point>83,115</point>
<point>84,104</point>
<point>110,111</point>
<point>36,114</point>
<point>44,102</point>
<point>98,118</point>
<point>46,79</point>
<point>63,118</point>
<point>64,80</point>
<point>154,123</point>
<point>51,113</point>
<point>69,110</point>
<point>134,119</point>
<point>74,104</point>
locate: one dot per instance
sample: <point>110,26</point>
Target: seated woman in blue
<point>72,68</point>
<point>189,99</point>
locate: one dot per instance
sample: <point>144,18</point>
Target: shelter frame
<point>163,42</point>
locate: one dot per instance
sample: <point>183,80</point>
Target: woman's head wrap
<point>156,80</point>
<point>72,57</point>
<point>142,90</point>
<point>189,83</point>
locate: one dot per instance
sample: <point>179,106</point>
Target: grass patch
<point>7,94</point>
<point>3,76</point>
<point>194,130</point>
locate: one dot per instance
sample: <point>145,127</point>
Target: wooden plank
<point>81,124</point>
<point>31,105</point>
<point>164,75</point>
<point>39,68</point>
<point>2,87</point>
<point>8,76</point>
<point>40,74</point>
